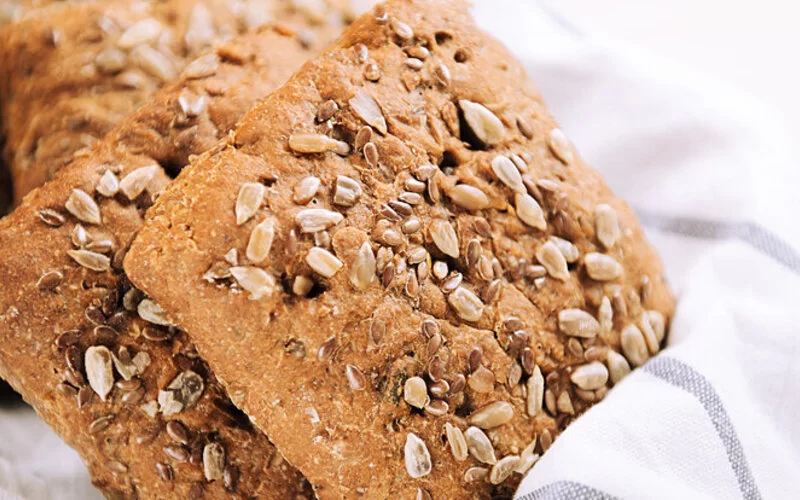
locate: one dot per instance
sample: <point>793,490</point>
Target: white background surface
<point>751,44</point>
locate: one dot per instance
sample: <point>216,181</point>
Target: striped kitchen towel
<point>713,178</point>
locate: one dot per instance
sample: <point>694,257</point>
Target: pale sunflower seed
<point>108,185</point>
<point>255,280</point>
<point>553,260</point>
<point>260,242</point>
<point>91,260</point>
<point>306,189</point>
<point>136,182</point>
<point>481,380</point>
<point>192,105</point>
<point>570,251</point>
<point>323,262</point>
<point>535,392</point>
<point>213,461</point>
<point>441,74</point>
<point>618,366</point>
<point>503,469</point>
<point>606,225</point>
<point>564,404</point>
<point>99,371</point>
<point>248,201</point>
<point>633,345</point>
<point>401,29</point>
<point>591,376</point>
<point>507,172</point>
<point>144,31</point>
<point>202,67</point>
<point>492,415</point>
<point>362,271</point>
<point>415,392</point>
<point>445,238</point>
<point>457,441</point>
<point>647,332</point>
<point>346,192</point>
<point>317,143</point>
<point>484,124</point>
<point>83,207</point>
<point>312,220</point>
<point>578,323</point>
<point>601,267</point>
<point>110,60</point>
<point>302,285</point>
<point>417,457</point>
<point>150,311</point>
<point>605,316</point>
<point>560,146</point>
<point>466,304</point>
<point>479,445</point>
<point>658,324</point>
<point>182,393</point>
<point>474,474</point>
<point>365,107</point>
<point>154,62</point>
<point>529,211</point>
<point>468,197</point>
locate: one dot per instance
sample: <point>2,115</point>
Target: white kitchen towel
<point>712,176</point>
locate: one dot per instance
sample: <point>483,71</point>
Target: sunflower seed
<point>481,380</point>
<point>108,185</point>
<point>564,404</point>
<point>527,458</point>
<point>468,197</point>
<point>346,192</point>
<point>618,366</point>
<point>560,146</point>
<point>658,324</point>
<point>601,267</point>
<point>605,317</point>
<point>90,260</point>
<point>150,311</point>
<point>553,260</point>
<point>492,415</point>
<point>535,392</point>
<point>144,31</point>
<point>568,250</point>
<point>202,67</point>
<point>49,280</point>
<point>529,211</point>
<point>312,220</point>
<point>590,377</point>
<point>417,457</point>
<point>401,29</point>
<point>356,379</point>
<point>474,474</point>
<point>445,238</point>
<point>248,201</point>
<point>480,446</point>
<point>323,262</point>
<point>192,105</point>
<point>578,323</point>
<point>414,63</point>
<point>182,393</point>
<point>507,172</point>
<point>316,143</point>
<point>51,217</point>
<point>458,444</point>
<point>415,392</point>
<point>83,207</point>
<point>606,225</point>
<point>524,127</point>
<point>110,60</point>
<point>136,182</point>
<point>99,372</point>
<point>255,280</point>
<point>392,238</point>
<point>362,271</point>
<point>441,74</point>
<point>503,469</point>
<point>302,285</point>
<point>647,332</point>
<point>522,167</point>
<point>633,345</point>
<point>153,62</point>
<point>452,282</point>
<point>260,242</point>
<point>365,107</point>
<point>440,269</point>
<point>466,304</point>
<point>213,461</point>
<point>306,190</point>
<point>484,124</point>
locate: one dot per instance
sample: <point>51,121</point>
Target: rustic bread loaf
<point>72,71</point>
<point>89,351</point>
<point>401,269</point>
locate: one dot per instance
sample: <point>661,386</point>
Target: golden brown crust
<point>499,341</point>
<point>73,71</point>
<point>54,313</point>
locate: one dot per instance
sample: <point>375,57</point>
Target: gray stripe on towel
<point>687,378</point>
<point>751,233</point>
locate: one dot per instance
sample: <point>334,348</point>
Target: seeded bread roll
<point>90,352</point>
<point>400,267</point>
<point>73,71</point>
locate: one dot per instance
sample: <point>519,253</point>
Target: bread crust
<point>57,316</point>
<point>504,299</point>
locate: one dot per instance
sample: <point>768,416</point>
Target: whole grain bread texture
<point>72,71</point>
<point>400,267</point>
<point>90,352</point>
